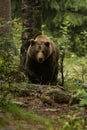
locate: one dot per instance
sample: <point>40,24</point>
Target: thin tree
<point>31,19</point>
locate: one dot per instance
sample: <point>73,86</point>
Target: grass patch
<point>20,114</point>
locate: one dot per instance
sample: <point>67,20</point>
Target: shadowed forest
<point>25,105</point>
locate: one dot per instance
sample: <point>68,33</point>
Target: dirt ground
<point>56,113</point>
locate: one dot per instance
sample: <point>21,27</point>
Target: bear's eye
<point>37,51</point>
<point>43,52</point>
<point>47,44</point>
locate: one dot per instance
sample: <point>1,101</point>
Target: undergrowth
<point>75,80</point>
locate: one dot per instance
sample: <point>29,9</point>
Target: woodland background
<point>63,21</point>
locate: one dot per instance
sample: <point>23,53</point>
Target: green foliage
<point>82,94</point>
<point>17,32</point>
<point>3,122</point>
<point>9,50</point>
<point>6,63</point>
<point>58,13</point>
<point>75,71</point>
<point>5,98</point>
<point>77,121</point>
<point>55,16</point>
<point>74,122</point>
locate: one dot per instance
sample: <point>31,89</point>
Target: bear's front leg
<point>33,77</point>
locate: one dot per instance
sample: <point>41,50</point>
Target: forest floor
<point>40,116</point>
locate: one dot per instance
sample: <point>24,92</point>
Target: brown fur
<point>42,60</point>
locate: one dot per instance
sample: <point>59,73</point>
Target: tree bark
<point>5,15</point>
<point>31,19</point>
<point>6,41</point>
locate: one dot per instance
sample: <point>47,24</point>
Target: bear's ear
<point>32,42</point>
<point>47,44</point>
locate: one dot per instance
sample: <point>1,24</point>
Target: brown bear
<point>42,60</point>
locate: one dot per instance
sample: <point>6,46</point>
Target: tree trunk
<point>31,18</point>
<point>5,15</point>
<point>6,41</point>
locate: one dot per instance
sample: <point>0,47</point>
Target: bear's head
<point>40,49</point>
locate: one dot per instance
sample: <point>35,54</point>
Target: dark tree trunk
<point>31,18</point>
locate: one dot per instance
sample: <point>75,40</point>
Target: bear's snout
<point>40,59</point>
